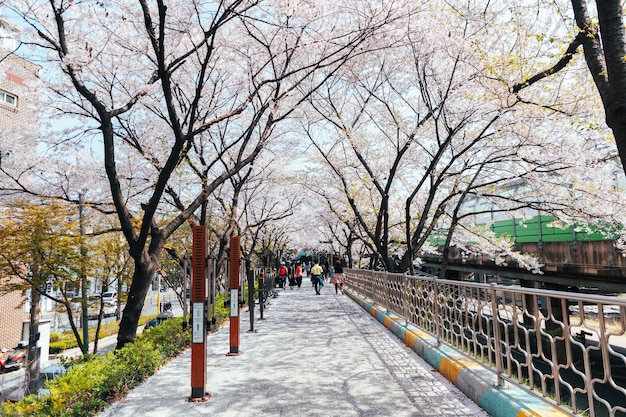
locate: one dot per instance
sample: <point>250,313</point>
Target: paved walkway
<point>311,356</point>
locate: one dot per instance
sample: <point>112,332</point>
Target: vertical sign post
<point>235,262</point>
<point>198,319</point>
<point>250,275</point>
<point>261,278</point>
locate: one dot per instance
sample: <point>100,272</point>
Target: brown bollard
<point>235,265</point>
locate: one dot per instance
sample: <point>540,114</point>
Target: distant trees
<point>410,133</point>
<point>45,253</point>
<point>40,253</point>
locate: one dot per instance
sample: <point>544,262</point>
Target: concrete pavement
<point>311,356</point>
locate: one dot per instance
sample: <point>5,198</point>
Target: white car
<point>109,297</point>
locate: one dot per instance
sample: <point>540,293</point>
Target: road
<point>10,383</point>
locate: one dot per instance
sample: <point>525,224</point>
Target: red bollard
<point>198,323</point>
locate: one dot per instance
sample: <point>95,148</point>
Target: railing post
<point>386,303</point>
<point>496,333</point>
<point>405,305</point>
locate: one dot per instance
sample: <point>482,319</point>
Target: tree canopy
<point>297,122</point>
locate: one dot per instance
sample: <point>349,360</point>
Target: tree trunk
<point>145,268</point>
<point>84,347</point>
<point>33,332</point>
<point>98,327</point>
<point>604,53</point>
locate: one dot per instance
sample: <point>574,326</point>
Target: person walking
<point>283,274</point>
<point>298,275</point>
<point>317,276</point>
<point>339,278</point>
<point>292,275</point>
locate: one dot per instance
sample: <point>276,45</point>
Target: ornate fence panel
<point>568,347</point>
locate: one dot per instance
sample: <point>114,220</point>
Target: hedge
<point>93,382</point>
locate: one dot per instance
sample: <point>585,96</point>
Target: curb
<point>476,382</point>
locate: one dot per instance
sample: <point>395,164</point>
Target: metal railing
<point>266,285</point>
<point>567,347</point>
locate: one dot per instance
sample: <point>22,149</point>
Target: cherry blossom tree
<point>159,92</point>
<point>597,34</point>
<point>551,59</point>
<point>432,121</point>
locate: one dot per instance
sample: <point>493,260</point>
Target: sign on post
<point>197,330</point>
<point>234,302</point>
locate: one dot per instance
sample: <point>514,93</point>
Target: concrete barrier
<point>475,381</point>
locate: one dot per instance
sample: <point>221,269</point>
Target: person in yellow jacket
<point>317,276</point>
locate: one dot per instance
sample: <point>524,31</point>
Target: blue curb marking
<point>479,384</point>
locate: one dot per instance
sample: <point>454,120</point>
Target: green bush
<point>221,313</point>
<point>170,342</point>
<point>141,359</point>
<point>94,381</point>
<point>57,347</point>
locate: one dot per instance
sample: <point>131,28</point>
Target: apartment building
<point>17,111</point>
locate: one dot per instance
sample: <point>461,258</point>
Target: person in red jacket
<point>298,275</point>
<point>283,273</point>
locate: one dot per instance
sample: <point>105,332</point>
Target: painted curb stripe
<point>478,383</point>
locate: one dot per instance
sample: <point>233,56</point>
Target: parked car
<point>109,297</point>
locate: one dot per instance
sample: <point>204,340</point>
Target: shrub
<point>57,347</point>
<point>94,381</point>
<point>170,341</point>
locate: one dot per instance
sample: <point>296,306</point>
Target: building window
<point>9,44</point>
<point>8,98</point>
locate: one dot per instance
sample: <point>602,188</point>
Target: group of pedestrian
<point>293,273</point>
<point>318,273</point>
<point>295,278</point>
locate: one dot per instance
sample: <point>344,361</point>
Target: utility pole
<point>33,330</point>
<point>84,321</point>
